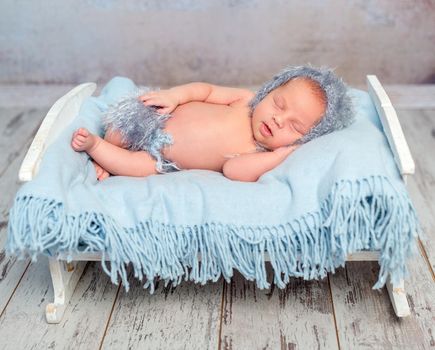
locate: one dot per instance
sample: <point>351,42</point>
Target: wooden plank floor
<point>338,312</point>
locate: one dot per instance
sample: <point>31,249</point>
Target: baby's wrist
<point>283,152</point>
<point>177,99</point>
<point>180,94</point>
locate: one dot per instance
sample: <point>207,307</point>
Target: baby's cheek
<point>285,139</point>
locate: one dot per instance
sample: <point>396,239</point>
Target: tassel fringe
<point>310,247</point>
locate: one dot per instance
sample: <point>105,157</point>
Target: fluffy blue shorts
<point>141,128</point>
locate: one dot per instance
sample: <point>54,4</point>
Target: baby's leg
<point>102,173</point>
<point>114,159</point>
<point>115,138</point>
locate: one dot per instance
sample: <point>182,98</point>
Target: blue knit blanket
<point>335,195</point>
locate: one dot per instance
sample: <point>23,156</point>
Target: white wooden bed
<point>66,275</point>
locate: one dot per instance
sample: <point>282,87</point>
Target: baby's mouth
<point>267,128</point>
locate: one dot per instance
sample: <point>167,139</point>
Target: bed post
<point>405,164</point>
<point>64,277</point>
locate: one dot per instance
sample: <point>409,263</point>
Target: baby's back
<point>204,133</point>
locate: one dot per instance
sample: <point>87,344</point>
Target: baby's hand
<point>164,99</point>
<point>285,151</point>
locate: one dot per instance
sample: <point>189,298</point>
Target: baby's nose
<point>278,120</point>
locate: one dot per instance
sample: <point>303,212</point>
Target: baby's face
<point>289,112</point>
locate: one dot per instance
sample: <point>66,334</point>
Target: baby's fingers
<point>153,102</point>
<point>163,110</point>
<point>147,96</point>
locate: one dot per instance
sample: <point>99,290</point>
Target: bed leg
<point>398,298</point>
<point>65,277</point>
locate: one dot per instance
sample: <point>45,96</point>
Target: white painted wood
<point>186,316</point>
<point>365,318</point>
<point>357,256</point>
<point>66,108</point>
<point>11,269</point>
<point>57,118</point>
<point>419,127</point>
<point>398,298</point>
<point>17,127</point>
<point>23,323</point>
<point>365,255</point>
<point>65,277</point>
<point>404,161</point>
<point>299,316</point>
<point>391,125</point>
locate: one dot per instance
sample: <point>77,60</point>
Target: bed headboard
<point>392,129</point>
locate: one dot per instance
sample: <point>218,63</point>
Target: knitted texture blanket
<point>333,196</point>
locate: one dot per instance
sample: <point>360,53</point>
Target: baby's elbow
<point>237,174</point>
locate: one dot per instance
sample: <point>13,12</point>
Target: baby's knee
<point>146,164</point>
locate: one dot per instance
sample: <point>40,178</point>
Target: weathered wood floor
<point>339,312</point>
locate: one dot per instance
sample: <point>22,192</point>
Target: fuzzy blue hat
<point>339,111</point>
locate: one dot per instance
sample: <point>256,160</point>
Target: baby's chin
<point>273,147</point>
<point>265,144</point>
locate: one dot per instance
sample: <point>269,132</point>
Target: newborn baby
<point>203,126</point>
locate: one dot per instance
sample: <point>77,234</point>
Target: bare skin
<point>209,131</point>
<point>83,140</point>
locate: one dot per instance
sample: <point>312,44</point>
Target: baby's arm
<point>210,93</point>
<point>249,167</point>
<point>197,91</point>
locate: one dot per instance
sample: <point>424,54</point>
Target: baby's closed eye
<point>278,103</point>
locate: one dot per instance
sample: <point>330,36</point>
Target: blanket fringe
<point>309,247</point>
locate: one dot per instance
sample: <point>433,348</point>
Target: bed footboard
<point>57,118</point>
<point>64,276</point>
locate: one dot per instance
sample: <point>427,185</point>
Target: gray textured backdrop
<point>233,42</point>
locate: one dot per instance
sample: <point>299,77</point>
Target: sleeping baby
<point>203,126</point>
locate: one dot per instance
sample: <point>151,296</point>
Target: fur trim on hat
<point>339,111</point>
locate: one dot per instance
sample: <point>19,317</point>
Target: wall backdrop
<point>229,42</point>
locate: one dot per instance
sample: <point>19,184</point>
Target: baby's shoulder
<point>249,94</point>
<point>244,97</point>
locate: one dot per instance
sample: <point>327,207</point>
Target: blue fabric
<point>335,195</point>
<point>141,128</point>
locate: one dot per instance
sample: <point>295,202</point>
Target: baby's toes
<point>105,174</point>
<point>83,132</point>
<point>98,168</point>
<point>80,138</point>
<point>99,172</point>
<point>76,144</point>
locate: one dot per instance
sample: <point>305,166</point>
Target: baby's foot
<point>101,172</point>
<point>83,140</point>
